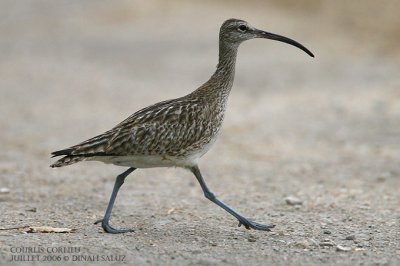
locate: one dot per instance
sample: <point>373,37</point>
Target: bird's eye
<point>242,28</point>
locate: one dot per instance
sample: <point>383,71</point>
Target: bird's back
<point>165,133</point>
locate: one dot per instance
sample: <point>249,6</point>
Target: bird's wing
<point>166,128</point>
<point>163,128</point>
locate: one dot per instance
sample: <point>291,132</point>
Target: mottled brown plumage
<point>175,132</point>
<point>172,129</point>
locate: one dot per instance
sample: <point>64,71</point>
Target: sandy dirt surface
<point>325,131</point>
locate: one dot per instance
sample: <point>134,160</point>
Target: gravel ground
<point>310,145</point>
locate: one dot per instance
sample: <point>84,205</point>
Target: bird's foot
<point>256,226</point>
<point>109,229</point>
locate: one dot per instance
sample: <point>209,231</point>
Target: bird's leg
<point>242,220</point>
<point>105,221</point>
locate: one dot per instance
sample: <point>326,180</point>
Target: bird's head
<point>236,31</point>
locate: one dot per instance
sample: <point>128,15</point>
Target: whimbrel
<point>174,133</point>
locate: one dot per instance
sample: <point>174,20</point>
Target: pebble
<point>252,239</point>
<point>327,243</point>
<point>292,200</point>
<point>350,237</point>
<point>342,248</point>
<point>4,190</point>
<point>301,244</point>
<point>327,232</point>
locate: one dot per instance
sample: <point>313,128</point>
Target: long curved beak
<point>276,37</point>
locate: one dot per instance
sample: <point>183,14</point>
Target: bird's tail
<point>68,159</point>
<point>86,150</point>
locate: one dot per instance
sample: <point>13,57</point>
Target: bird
<point>176,132</point>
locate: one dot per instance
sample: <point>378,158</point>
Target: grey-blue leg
<point>242,220</point>
<point>106,219</point>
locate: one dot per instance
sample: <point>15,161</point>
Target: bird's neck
<point>220,83</point>
<point>226,63</point>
